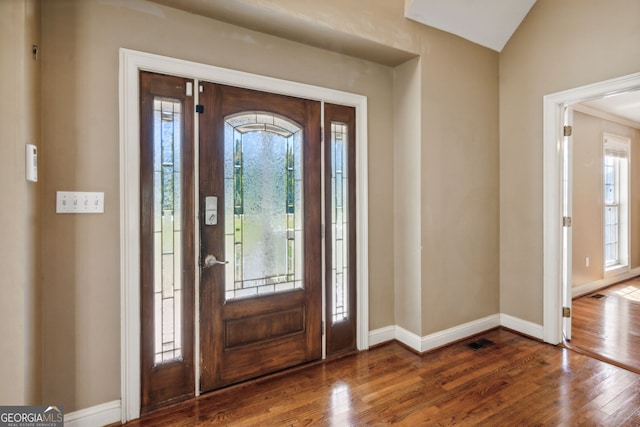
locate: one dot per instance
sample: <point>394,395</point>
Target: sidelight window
<point>339,221</point>
<point>167,232</point>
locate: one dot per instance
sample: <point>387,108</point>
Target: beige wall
<point>560,45</point>
<point>459,158</point>
<point>587,195</point>
<point>450,96</point>
<point>20,310</point>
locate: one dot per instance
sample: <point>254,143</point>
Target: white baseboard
<point>99,415</point>
<point>523,326</point>
<point>379,336</point>
<point>588,288</point>
<point>448,336</point>
<point>437,339</point>
<point>442,338</point>
<point>408,338</point>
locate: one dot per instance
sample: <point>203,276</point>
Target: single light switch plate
<point>79,202</point>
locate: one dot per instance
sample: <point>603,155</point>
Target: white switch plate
<point>79,202</point>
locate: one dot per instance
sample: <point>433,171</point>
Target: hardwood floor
<point>609,327</point>
<point>516,382</point>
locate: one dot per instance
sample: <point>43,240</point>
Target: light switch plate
<point>79,202</point>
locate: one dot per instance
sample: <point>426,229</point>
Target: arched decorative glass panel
<point>263,204</point>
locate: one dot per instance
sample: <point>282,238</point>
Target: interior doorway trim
<point>131,62</point>
<point>552,191</point>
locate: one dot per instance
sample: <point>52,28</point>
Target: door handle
<point>211,260</point>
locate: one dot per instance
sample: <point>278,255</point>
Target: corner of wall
<point>407,196</point>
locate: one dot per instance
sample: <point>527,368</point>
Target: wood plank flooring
<point>516,382</point>
<point>609,327</point>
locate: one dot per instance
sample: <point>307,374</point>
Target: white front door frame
<point>552,189</point>
<point>131,62</point>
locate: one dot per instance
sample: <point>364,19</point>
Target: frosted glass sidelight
<point>339,222</point>
<point>263,202</point>
<point>167,208</point>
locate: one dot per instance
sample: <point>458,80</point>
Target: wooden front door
<point>260,233</point>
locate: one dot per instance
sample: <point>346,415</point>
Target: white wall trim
<point>131,62</point>
<point>552,206</point>
<point>441,338</point>
<point>382,335</point>
<point>437,339</point>
<point>99,415</point>
<point>523,326</point>
<point>362,222</point>
<point>408,338</point>
<point>129,238</point>
<point>588,288</point>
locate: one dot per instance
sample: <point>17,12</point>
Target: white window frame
<point>615,143</point>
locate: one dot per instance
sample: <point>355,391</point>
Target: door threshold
<point>185,402</point>
<point>567,344</point>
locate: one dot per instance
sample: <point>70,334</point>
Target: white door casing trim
<point>552,194</point>
<point>131,62</point>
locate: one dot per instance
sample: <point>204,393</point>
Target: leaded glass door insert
<point>263,204</point>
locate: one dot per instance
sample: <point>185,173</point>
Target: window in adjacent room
<point>616,202</point>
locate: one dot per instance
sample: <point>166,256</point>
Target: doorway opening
<point>558,183</point>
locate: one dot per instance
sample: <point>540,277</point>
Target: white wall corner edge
<point>99,415</point>
<point>522,326</point>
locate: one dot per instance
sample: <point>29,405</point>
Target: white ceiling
<point>489,23</point>
<point>625,105</point>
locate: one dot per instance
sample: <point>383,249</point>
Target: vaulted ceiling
<point>489,23</point>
